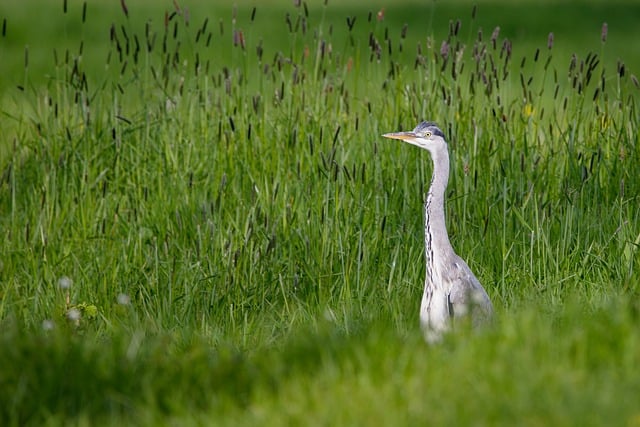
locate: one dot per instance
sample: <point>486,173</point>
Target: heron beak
<point>405,136</point>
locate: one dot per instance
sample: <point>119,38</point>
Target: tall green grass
<point>201,224</point>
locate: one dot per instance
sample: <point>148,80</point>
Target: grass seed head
<point>494,36</point>
<point>125,9</point>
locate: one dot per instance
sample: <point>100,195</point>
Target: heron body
<point>451,290</point>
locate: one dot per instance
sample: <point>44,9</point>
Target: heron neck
<point>437,243</point>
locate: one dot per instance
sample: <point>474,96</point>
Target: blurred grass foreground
<point>201,225</point>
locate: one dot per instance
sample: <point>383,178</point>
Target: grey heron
<point>451,290</point>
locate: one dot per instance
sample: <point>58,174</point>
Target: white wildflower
<point>47,324</point>
<point>123,299</point>
<point>64,282</point>
<point>74,314</point>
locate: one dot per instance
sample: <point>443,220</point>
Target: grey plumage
<point>451,290</point>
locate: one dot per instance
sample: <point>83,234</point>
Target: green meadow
<point>200,223</point>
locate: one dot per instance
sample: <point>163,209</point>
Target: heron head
<point>426,135</point>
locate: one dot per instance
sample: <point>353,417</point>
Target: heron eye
<point>427,134</point>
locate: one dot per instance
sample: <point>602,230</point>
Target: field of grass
<point>200,223</point>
